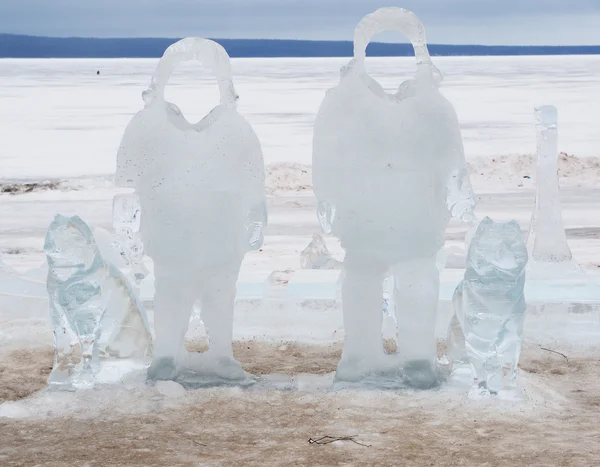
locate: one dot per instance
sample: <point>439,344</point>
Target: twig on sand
<point>558,353</point>
<point>331,439</point>
<point>196,442</point>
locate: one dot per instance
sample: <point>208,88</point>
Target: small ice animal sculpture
<point>201,189</point>
<point>95,315</point>
<point>389,172</point>
<point>489,308</point>
<point>316,255</point>
<point>547,241</point>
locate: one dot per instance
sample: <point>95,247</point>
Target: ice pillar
<point>547,241</point>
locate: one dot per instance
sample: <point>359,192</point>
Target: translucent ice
<point>95,315</point>
<point>201,188</point>
<point>126,221</point>
<point>316,255</point>
<point>389,172</point>
<point>489,307</point>
<point>547,240</point>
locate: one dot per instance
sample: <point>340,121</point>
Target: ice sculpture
<point>316,255</point>
<point>95,315</point>
<point>547,240</point>
<point>388,172</point>
<point>201,188</point>
<point>126,221</point>
<point>489,305</point>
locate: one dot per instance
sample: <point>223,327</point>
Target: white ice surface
<point>59,119</point>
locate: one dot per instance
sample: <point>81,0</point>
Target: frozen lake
<point>59,119</point>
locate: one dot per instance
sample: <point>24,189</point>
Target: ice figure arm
<point>126,221</point>
<point>257,218</point>
<point>126,206</point>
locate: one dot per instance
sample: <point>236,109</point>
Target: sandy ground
<point>556,425</point>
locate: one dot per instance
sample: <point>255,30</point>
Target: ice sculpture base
<point>201,370</point>
<point>109,373</point>
<point>196,380</point>
<point>391,372</point>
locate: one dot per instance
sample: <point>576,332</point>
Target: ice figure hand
<point>127,221</point>
<point>326,215</point>
<point>256,223</point>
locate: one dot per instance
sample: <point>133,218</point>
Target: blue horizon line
<point>29,46</point>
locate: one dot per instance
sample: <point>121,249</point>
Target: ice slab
<point>317,284</point>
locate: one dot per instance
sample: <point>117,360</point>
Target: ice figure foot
<point>207,369</point>
<point>421,374</point>
<point>381,371</point>
<point>163,368</point>
<point>60,381</point>
<point>351,370</point>
<point>223,367</point>
<point>480,391</point>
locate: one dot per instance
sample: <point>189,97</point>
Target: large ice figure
<point>489,305</point>
<point>201,188</point>
<point>95,315</point>
<point>547,240</point>
<point>388,172</point>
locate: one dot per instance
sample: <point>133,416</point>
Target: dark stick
<point>557,353</point>
<point>331,439</point>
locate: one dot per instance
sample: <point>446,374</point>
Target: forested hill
<point>19,46</point>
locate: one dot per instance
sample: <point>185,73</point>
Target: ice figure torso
<point>381,162</point>
<point>490,305</point>
<point>197,183</point>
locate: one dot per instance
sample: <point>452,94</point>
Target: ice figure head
<point>70,244</point>
<point>497,252</point>
<point>208,52</point>
<point>406,22</point>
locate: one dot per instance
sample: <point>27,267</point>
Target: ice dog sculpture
<point>95,315</point>
<point>201,189</point>
<point>489,307</point>
<point>388,172</point>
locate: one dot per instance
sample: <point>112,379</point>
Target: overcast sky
<point>510,22</point>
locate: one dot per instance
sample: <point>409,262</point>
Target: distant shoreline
<point>22,46</point>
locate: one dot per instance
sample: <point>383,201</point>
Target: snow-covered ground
<point>61,123</point>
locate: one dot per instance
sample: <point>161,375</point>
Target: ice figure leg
<point>64,339</point>
<point>217,304</point>
<point>455,338</point>
<point>416,295</point>
<point>217,300</point>
<point>362,291</point>
<point>173,303</point>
